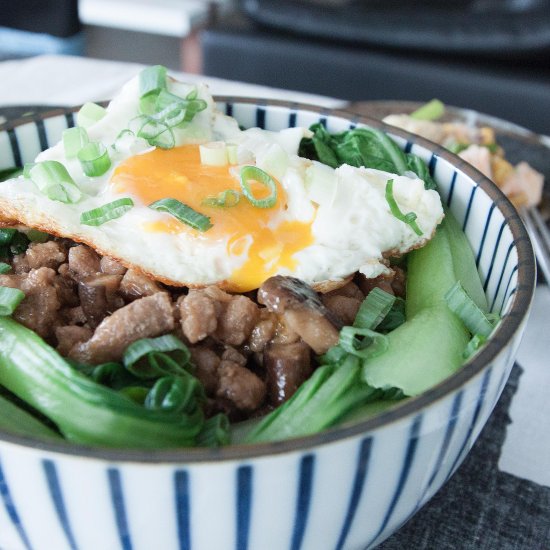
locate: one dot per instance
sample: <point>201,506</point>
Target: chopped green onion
<point>183,213</point>
<point>213,153</point>
<point>52,178</point>
<point>232,150</point>
<point>473,345</point>
<point>4,268</point>
<point>253,173</point>
<point>465,308</point>
<point>372,344</point>
<point>89,114</point>
<point>395,317</point>
<point>409,218</point>
<point>165,99</point>
<point>19,243</point>
<point>27,169</point>
<point>225,199</point>
<point>94,159</point>
<point>432,110</point>
<point>172,115</point>
<point>10,298</point>
<point>156,133</point>
<point>111,374</point>
<point>36,236</point>
<point>374,309</point>
<point>107,212</point>
<point>177,394</point>
<point>73,140</point>
<point>6,235</point>
<point>193,94</point>
<point>147,346</point>
<point>215,432</point>
<point>152,80</point>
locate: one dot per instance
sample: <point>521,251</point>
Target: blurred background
<point>488,55</point>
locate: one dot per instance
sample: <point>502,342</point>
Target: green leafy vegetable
<point>362,147</point>
<point>84,411</point>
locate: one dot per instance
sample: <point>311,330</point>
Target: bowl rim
<point>511,323</point>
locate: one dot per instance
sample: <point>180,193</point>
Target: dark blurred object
<point>55,17</point>
<point>33,27</point>
<point>513,84</point>
<point>484,27</point>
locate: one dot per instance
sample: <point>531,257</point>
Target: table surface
<point>500,497</point>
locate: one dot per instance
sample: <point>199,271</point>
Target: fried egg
<point>324,225</point>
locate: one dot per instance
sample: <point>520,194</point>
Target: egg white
<point>352,226</point>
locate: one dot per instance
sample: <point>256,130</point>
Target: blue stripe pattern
<point>404,475</point>
<point>303,502</point>
<point>485,231</point>
<point>260,117</point>
<point>181,485</point>
<point>119,508</point>
<point>41,131</point>
<point>292,119</point>
<point>515,268</point>
<point>469,208</point>
<point>357,491</point>
<point>503,270</point>
<point>451,425</point>
<point>495,251</point>
<point>58,502</point>
<point>11,510</point>
<point>244,506</point>
<point>16,151</point>
<point>452,188</point>
<point>432,164</point>
<point>473,423</point>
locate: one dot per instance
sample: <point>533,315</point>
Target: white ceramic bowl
<point>349,487</point>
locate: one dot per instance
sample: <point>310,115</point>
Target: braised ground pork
<point>250,353</point>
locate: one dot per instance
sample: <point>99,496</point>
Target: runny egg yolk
<point>268,241</point>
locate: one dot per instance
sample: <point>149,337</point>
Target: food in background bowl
<point>286,493</point>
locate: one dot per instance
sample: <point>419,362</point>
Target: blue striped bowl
<point>349,487</point>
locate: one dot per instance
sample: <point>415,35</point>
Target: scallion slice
<point>156,133</point>
<point>370,345</point>
<point>472,316</point>
<point>10,298</point>
<point>432,110</point>
<point>173,115</point>
<point>253,173</point>
<point>167,343</point>
<point>473,345</point>
<point>107,212</point>
<point>152,80</point>
<point>73,140</point>
<point>374,309</point>
<point>213,153</point>
<point>409,218</point>
<point>89,114</point>
<point>225,199</point>
<point>183,213</point>
<point>4,268</point>
<point>94,159</point>
<point>53,180</point>
<point>6,235</point>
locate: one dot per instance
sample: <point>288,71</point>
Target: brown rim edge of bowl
<point>506,330</point>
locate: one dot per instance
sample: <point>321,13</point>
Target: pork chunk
<point>144,318</point>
